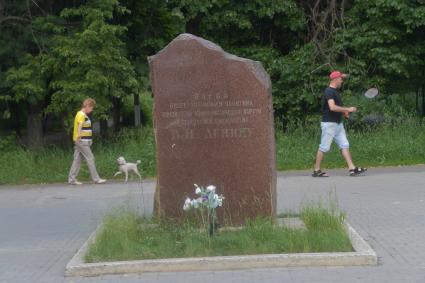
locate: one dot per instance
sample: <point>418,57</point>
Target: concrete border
<point>363,255</point>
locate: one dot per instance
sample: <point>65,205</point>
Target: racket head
<point>371,93</point>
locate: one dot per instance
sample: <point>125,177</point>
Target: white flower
<point>220,199</point>
<point>195,203</point>
<point>211,188</point>
<point>207,198</point>
<point>187,204</point>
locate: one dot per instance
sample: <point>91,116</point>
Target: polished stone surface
<point>213,120</point>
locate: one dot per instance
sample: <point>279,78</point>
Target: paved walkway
<point>41,227</point>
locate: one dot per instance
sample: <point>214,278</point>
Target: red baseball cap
<point>337,74</point>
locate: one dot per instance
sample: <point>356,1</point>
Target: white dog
<point>125,167</point>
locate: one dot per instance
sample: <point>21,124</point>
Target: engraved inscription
<point>228,133</point>
<point>182,134</point>
<point>210,116</point>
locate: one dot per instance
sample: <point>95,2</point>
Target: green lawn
<point>125,236</point>
<point>51,165</point>
<point>400,144</point>
<point>388,145</point>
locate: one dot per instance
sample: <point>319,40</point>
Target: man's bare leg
<point>347,156</point>
<point>319,158</point>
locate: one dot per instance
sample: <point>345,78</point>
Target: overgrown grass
<point>19,165</point>
<point>400,143</point>
<point>126,236</point>
<point>391,144</point>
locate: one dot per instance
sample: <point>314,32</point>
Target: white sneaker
<point>100,181</point>
<point>76,183</point>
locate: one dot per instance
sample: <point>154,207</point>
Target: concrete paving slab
<point>42,226</point>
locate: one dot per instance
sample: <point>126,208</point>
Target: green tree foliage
<point>385,38</point>
<point>150,26</point>
<point>90,60</point>
<point>243,23</point>
<point>78,53</point>
<point>29,86</point>
<point>24,68</point>
<point>54,53</point>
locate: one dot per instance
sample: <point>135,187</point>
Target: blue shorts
<point>333,131</point>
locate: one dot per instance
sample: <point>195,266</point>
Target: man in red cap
<point>333,127</point>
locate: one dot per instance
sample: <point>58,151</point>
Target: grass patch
<point>387,145</point>
<point>51,165</point>
<point>125,236</point>
<point>400,143</point>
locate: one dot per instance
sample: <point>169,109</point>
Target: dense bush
<point>52,54</point>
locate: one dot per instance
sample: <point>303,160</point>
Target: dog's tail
<point>138,161</point>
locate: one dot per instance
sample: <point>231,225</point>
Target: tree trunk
<point>417,101</point>
<point>2,8</point>
<point>116,113</point>
<point>16,118</point>
<point>35,127</point>
<point>137,119</point>
<point>423,94</point>
<point>192,26</point>
<point>103,128</point>
<point>423,101</point>
<point>66,139</point>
